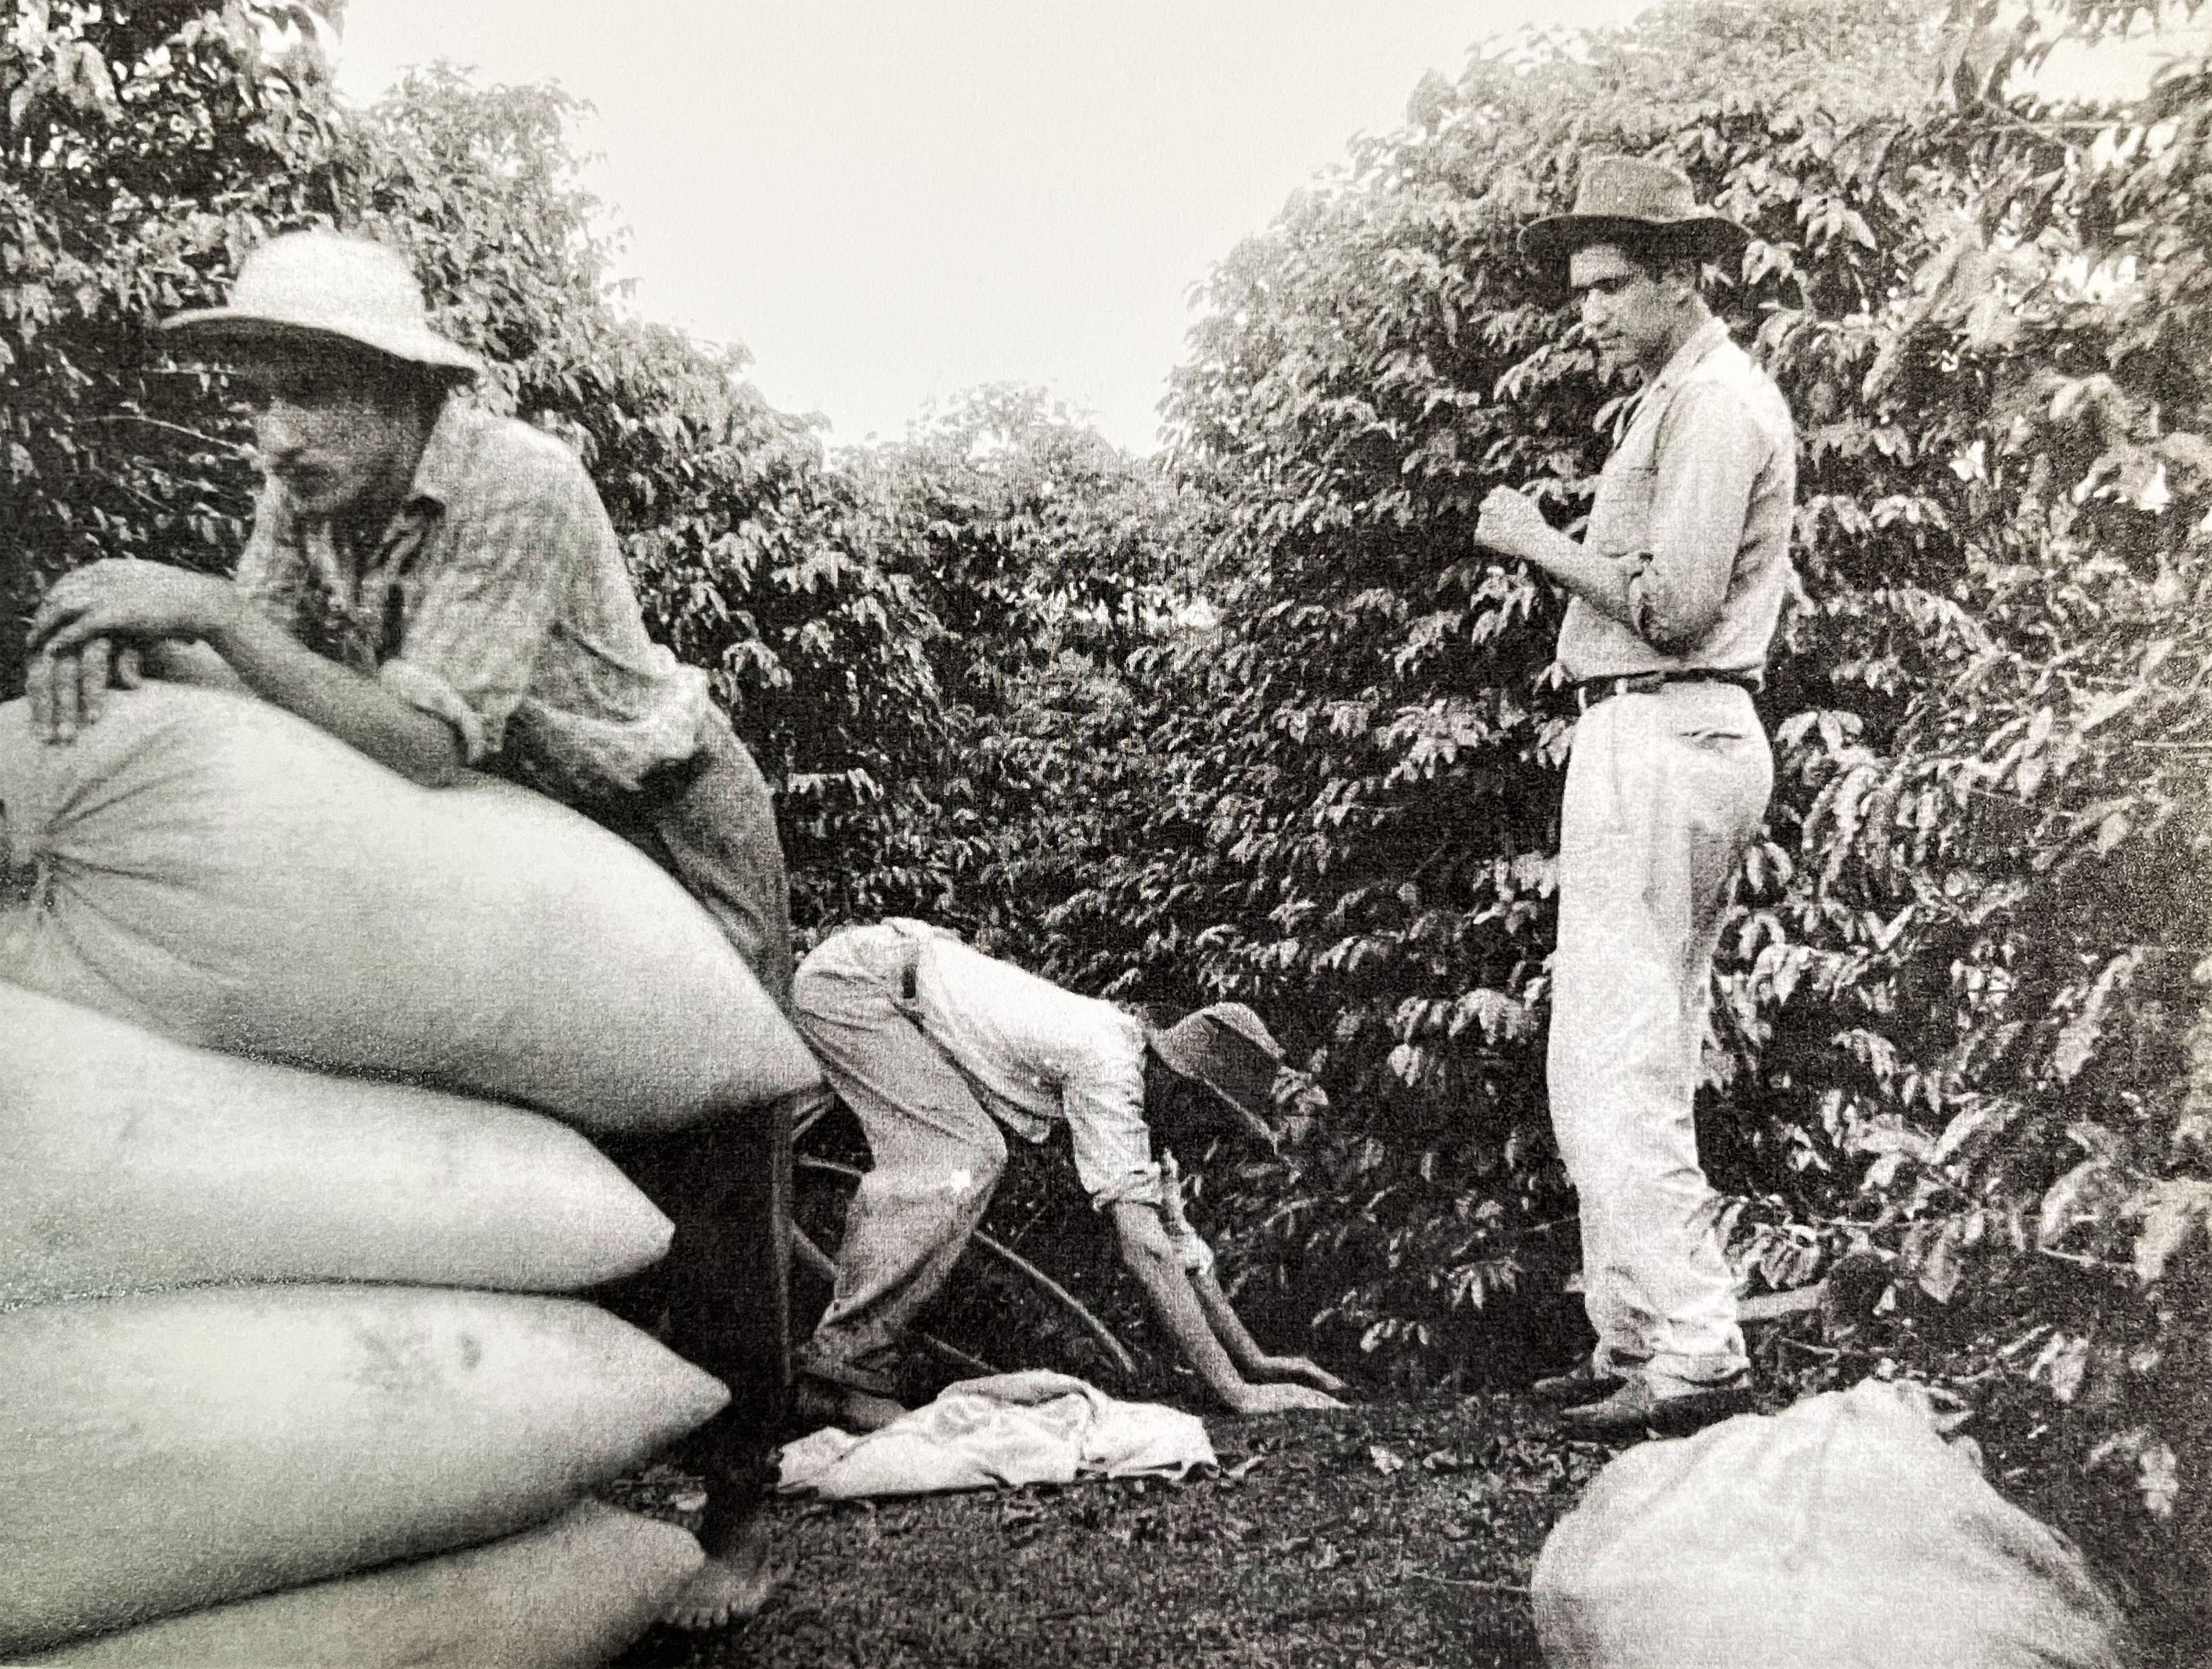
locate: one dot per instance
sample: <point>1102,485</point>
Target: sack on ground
<point>130,1162</point>
<point>208,867</point>
<point>1840,1534</point>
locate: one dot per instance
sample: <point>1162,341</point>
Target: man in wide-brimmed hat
<point>935,1045</point>
<point>1673,593</point>
<point>441,588</point>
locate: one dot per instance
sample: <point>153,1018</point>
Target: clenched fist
<point>1510,523</point>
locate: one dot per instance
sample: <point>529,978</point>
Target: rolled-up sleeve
<point>1712,450</point>
<point>1103,1100</point>
<point>477,630</point>
<point>427,690</point>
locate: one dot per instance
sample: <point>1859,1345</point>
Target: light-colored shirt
<point>1696,500</point>
<point>496,598</point>
<point>1034,1054</point>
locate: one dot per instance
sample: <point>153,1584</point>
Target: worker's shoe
<point>1636,1410</point>
<point>817,1402</point>
<point>1584,1383</point>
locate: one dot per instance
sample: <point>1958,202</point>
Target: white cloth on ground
<point>1000,1432</point>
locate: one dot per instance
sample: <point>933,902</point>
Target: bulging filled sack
<point>169,1452</point>
<point>128,1161</point>
<point>1842,1534</point>
<point>567,1595</point>
<point>208,867</point>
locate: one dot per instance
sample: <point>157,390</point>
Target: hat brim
<point>1185,1066</point>
<point>222,327</point>
<point>1548,242</point>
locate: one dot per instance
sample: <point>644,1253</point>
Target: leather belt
<point>908,959</point>
<point>1590,691</point>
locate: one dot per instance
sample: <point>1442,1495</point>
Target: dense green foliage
<point>148,145</point>
<point>1960,1025</point>
<point>1049,559</point>
<point>1262,722</point>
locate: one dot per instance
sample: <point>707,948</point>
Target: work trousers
<point>1664,791</point>
<point>937,1154</point>
<point>723,1291</point>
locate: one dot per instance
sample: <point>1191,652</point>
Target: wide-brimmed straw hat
<point>1636,201</point>
<point>1228,1050</point>
<point>328,284</point>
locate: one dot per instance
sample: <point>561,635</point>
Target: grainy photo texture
<point>963,834</point>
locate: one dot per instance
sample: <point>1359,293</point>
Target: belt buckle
<point>1587,695</point>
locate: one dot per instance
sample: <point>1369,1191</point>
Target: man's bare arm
<point>173,660</point>
<point>1221,1316</point>
<point>136,603</point>
<point>351,705</point>
<point>1246,1351</point>
<point>1151,1257</point>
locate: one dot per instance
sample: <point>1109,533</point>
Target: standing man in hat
<point>441,588</point>
<point>1673,593</point>
<point>929,1041</point>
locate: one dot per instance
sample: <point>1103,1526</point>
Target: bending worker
<point>1674,592</point>
<point>929,1041</point>
<point>441,588</point>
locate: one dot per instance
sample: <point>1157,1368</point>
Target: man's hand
<point>1281,1399</point>
<point>67,691</point>
<point>129,599</point>
<point>73,634</point>
<point>1510,524</point>
<point>1298,1367</point>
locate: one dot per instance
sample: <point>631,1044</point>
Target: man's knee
<point>982,1158</point>
<point>953,1177</point>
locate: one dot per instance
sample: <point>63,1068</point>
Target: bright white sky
<point>889,200</point>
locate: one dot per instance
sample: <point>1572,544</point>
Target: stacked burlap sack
<point>280,1381</point>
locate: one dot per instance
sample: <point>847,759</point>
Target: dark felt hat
<point>1638,202</point>
<point>1227,1049</point>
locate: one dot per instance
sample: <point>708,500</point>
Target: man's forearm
<point>1145,1250</point>
<point>349,705</point>
<point>175,661</point>
<point>1600,581</point>
<point>1225,1324</point>
<point>1169,1290</point>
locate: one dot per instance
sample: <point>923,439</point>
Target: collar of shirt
<point>355,611</point>
<point>1702,341</point>
<point>443,468</point>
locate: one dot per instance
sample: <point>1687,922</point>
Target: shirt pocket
<point>1621,514</point>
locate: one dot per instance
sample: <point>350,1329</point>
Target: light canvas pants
<point>1664,791</point>
<point>937,1154</point>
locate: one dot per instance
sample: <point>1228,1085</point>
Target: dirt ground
<point>1395,1534</point>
